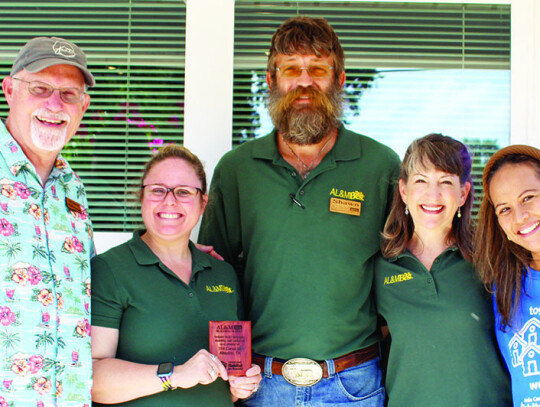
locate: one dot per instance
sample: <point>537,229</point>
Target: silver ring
<point>255,388</point>
<point>213,357</point>
<point>212,372</point>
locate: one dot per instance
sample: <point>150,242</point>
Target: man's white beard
<point>47,138</point>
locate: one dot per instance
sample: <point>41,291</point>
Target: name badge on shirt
<point>345,206</point>
<point>74,206</point>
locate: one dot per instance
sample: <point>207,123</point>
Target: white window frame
<point>209,79</point>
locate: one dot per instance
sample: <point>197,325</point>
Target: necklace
<point>308,168</point>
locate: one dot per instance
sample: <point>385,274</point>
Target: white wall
<point>209,80</point>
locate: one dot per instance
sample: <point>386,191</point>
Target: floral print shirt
<point>45,249</point>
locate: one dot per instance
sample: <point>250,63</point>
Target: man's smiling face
<point>44,124</point>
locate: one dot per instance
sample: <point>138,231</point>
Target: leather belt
<point>341,363</point>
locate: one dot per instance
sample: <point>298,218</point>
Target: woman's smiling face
<point>170,219</point>
<point>433,197</point>
<point>515,193</point>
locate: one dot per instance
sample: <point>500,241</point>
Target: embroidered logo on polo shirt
<point>340,193</point>
<point>398,278</point>
<point>219,289</point>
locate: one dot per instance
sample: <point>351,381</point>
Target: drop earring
<point>459,212</point>
<point>406,210</point>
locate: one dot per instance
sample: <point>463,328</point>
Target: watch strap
<point>166,382</point>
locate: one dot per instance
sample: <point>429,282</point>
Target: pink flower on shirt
<point>6,228</point>
<point>7,317</point>
<point>35,362</point>
<point>34,276</point>
<point>22,190</point>
<point>83,329</point>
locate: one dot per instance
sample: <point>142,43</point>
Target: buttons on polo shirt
<point>190,295</point>
<point>301,192</point>
<point>429,280</point>
<point>293,174</point>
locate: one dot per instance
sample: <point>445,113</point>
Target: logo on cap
<point>64,49</point>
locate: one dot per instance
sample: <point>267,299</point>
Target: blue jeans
<point>358,386</point>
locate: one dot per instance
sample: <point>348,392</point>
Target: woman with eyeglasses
<point>152,299</point>
<point>507,257</point>
<point>443,351</point>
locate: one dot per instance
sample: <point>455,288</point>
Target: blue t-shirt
<point>520,344</point>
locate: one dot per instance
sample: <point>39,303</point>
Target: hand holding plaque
<point>230,341</point>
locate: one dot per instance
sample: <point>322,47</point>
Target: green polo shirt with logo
<point>303,244</point>
<point>443,350</point>
<point>159,317</point>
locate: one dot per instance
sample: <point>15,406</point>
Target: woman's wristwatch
<point>164,372</point>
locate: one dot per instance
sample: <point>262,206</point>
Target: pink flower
<point>3,402</point>
<point>83,328</point>
<point>7,317</point>
<point>6,228</point>
<point>77,244</point>
<point>34,276</point>
<point>83,214</point>
<point>35,363</point>
<point>22,190</point>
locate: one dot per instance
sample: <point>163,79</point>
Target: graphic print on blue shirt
<point>520,345</point>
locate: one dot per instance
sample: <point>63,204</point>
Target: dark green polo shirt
<point>159,317</point>
<point>305,281</point>
<point>443,350</point>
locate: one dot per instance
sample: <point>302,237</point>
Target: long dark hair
<point>501,263</point>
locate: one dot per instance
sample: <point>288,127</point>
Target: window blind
<point>135,49</point>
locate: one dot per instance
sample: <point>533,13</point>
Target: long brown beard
<point>306,124</point>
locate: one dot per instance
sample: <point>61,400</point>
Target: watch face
<point>165,368</point>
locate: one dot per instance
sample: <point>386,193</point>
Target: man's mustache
<point>319,100</point>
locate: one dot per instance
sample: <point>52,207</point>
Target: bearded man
<point>299,212</point>
<point>45,232</point>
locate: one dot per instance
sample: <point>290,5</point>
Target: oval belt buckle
<point>302,372</point>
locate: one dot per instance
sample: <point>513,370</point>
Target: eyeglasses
<point>182,193</point>
<point>314,71</point>
<point>44,90</point>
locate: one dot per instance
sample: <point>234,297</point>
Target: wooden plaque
<point>230,341</point>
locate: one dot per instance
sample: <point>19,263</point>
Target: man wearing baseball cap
<point>45,232</point>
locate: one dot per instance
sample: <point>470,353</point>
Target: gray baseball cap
<point>42,52</point>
